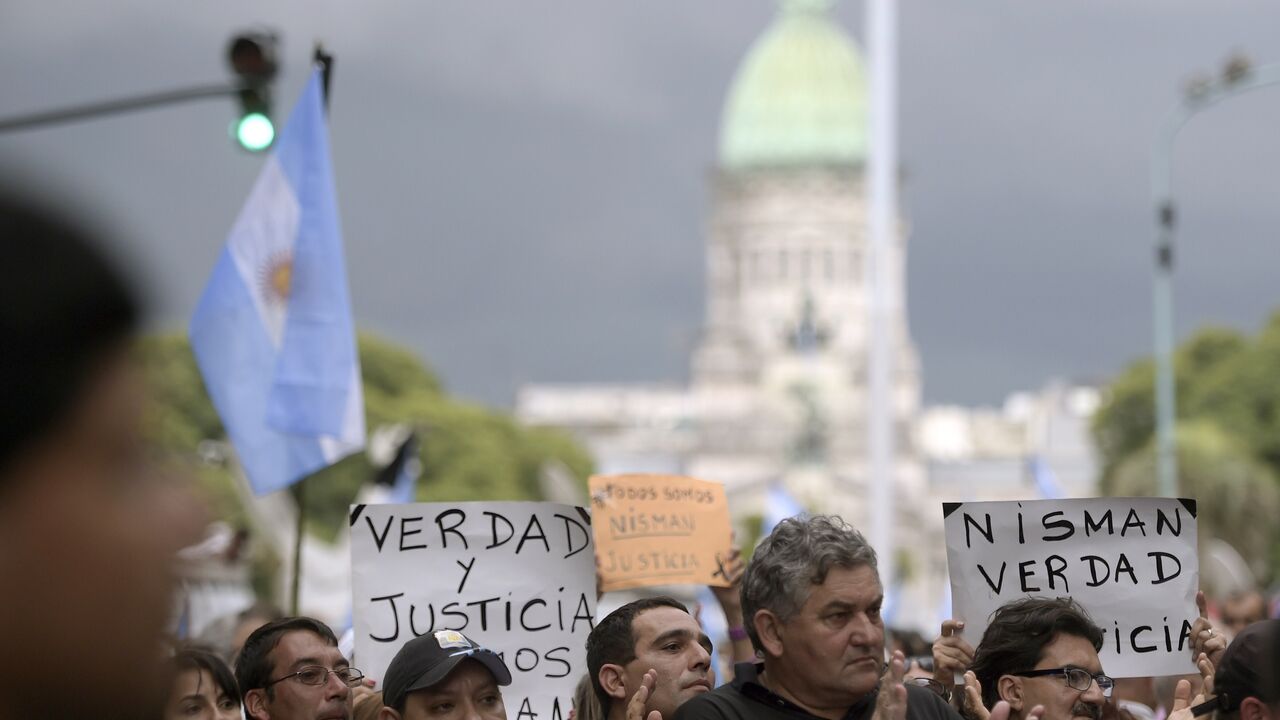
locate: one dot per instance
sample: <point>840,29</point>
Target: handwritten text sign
<point>1130,562</point>
<point>516,577</point>
<point>659,530</point>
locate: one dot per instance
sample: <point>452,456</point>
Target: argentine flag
<point>272,333</point>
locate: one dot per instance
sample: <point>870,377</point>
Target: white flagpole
<point>882,163</point>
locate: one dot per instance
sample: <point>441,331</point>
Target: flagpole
<point>299,498</point>
<point>882,413</point>
<point>325,61</point>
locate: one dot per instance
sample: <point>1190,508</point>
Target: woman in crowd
<point>203,688</point>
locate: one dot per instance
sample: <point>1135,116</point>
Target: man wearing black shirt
<point>811,599</point>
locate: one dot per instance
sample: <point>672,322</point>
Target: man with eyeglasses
<point>444,676</point>
<point>291,669</point>
<point>1040,651</point>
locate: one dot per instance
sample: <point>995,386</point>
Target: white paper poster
<point>516,577</point>
<point>1130,562</point>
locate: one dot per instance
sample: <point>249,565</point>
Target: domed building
<point>777,403</point>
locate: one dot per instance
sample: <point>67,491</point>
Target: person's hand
<point>730,598</point>
<point>951,654</point>
<point>1207,670</point>
<point>891,702</point>
<point>1204,639</point>
<point>362,691</point>
<point>972,705</point>
<point>635,708</point>
<point>1002,710</point>
<point>1183,702</point>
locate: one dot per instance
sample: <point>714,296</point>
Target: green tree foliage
<point>468,452</point>
<point>1126,422</point>
<point>1239,496</point>
<point>1228,398</point>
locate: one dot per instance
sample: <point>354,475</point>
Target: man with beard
<point>811,599</point>
<point>1040,651</point>
<point>953,656</point>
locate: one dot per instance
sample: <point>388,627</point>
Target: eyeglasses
<point>317,675</point>
<point>932,686</point>
<point>1077,678</point>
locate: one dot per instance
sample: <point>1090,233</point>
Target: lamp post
<point>1238,77</point>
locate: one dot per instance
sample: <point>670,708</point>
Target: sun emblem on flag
<point>277,277</point>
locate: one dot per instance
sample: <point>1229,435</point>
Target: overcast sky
<point>523,183</point>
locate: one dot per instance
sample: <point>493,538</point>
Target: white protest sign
<point>516,577</point>
<point>1130,562</point>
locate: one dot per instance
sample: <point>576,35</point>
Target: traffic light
<point>253,60</point>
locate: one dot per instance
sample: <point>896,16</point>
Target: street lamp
<point>1238,77</point>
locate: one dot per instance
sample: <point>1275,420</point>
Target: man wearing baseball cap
<point>1247,682</point>
<point>444,676</point>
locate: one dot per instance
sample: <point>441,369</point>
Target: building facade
<point>777,399</point>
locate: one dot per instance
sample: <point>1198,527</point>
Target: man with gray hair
<point>811,599</point>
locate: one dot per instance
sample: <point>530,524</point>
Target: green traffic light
<point>255,132</point>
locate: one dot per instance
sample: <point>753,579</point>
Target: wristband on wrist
<point>738,633</point>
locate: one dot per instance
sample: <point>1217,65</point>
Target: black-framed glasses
<point>318,675</point>
<point>932,686</point>
<point>1076,678</point>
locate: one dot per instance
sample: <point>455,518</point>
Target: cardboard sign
<point>659,530</point>
<point>515,577</point>
<point>1130,562</point>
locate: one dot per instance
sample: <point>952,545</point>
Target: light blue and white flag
<point>273,333</point>
<point>779,505</point>
<point>711,617</point>
<point>1046,480</point>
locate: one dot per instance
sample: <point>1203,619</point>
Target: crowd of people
<point>819,649</point>
<point>90,533</point>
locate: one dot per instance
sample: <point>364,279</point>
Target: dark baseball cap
<point>1247,669</point>
<point>428,659</point>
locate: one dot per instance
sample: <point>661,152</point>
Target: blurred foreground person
<point>444,676</point>
<point>811,599</point>
<point>203,688</point>
<point>89,535</point>
<point>291,669</point>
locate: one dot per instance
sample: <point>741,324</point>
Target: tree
<point>1228,434</point>
<point>1126,421</point>
<point>1239,496</point>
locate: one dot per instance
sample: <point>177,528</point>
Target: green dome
<point>799,97</point>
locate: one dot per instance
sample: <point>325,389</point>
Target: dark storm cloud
<point>523,184</point>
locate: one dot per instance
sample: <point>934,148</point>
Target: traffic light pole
<point>118,106</point>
